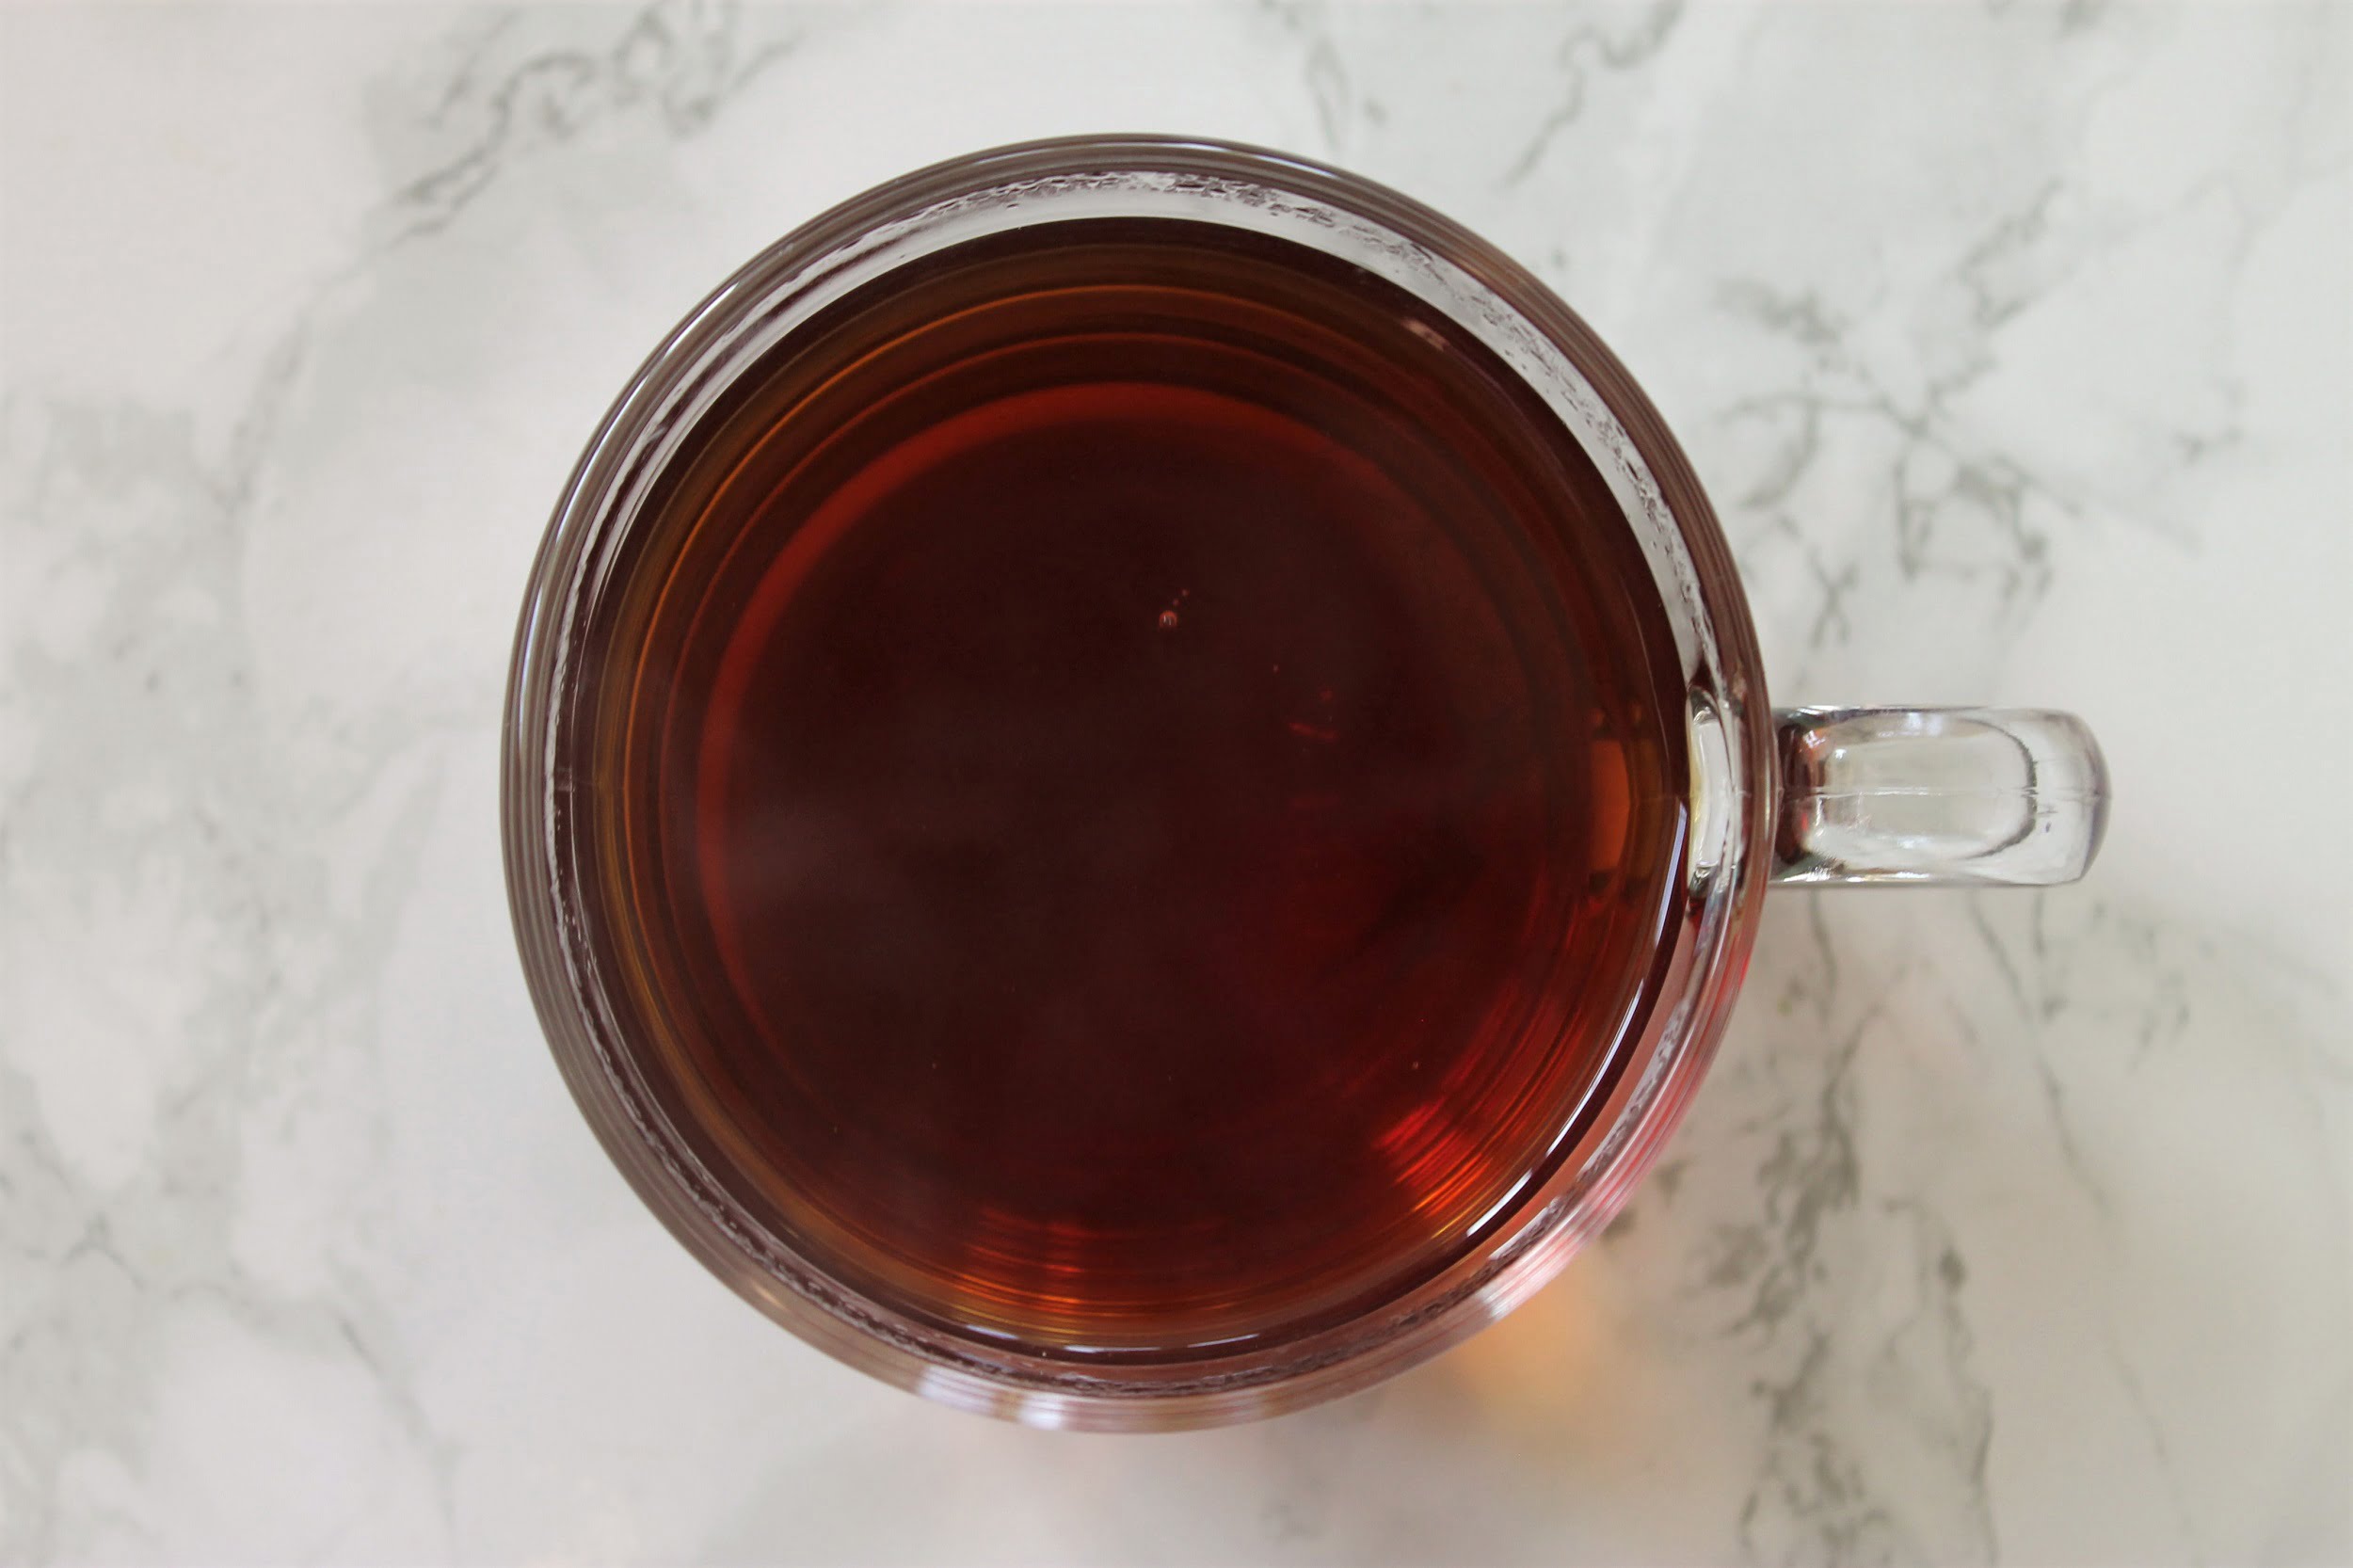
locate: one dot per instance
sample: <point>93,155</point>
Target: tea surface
<point>1138,779</point>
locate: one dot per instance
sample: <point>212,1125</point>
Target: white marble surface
<point>2012,342</point>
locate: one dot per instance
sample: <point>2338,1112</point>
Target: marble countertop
<point>2012,343</point>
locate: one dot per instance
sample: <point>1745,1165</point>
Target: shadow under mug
<point>1819,796</point>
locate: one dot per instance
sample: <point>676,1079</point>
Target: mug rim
<point>1699,963</point>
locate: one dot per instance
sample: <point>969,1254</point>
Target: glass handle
<point>1953,796</point>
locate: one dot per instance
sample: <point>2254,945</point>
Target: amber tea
<point>1136,779</point>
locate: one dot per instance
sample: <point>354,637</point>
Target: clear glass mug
<point>1810,796</point>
